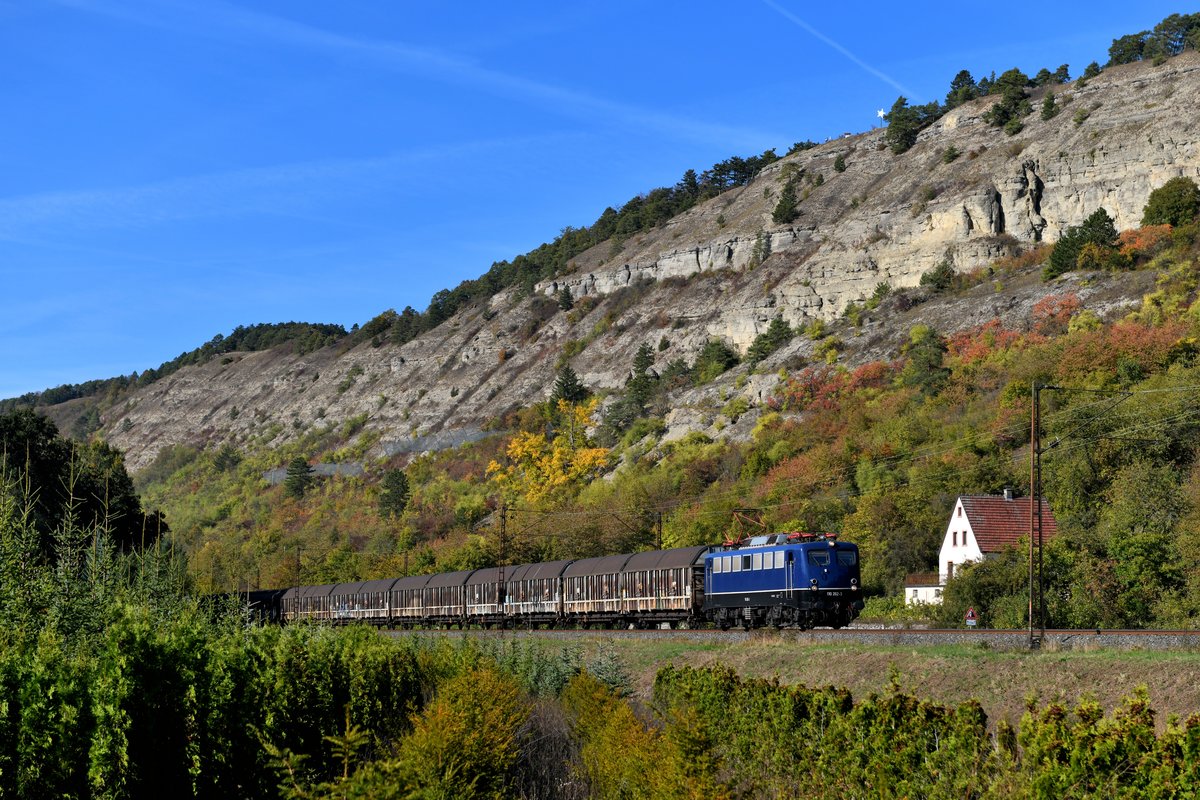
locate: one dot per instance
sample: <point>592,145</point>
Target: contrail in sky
<point>783,12</point>
<point>232,22</point>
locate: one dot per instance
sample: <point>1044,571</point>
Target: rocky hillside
<point>723,269</point>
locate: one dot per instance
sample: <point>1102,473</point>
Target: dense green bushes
<point>184,707</point>
<point>176,708</point>
<point>792,741</point>
<point>189,708</point>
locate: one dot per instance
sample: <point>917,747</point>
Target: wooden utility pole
<point>502,554</point>
<point>1037,600</point>
<point>1035,444</point>
<point>658,530</point>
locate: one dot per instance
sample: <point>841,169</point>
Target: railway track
<point>1054,640</point>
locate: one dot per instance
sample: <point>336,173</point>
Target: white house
<point>980,526</point>
<point>922,587</point>
<point>984,525</point>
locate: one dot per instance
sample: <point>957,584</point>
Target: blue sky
<point>171,169</point>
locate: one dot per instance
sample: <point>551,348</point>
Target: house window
<point>949,569</point>
<point>960,511</point>
<point>964,538</point>
<point>914,594</point>
<point>954,539</point>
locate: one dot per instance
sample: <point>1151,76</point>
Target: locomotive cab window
<point>818,558</point>
<point>847,558</point>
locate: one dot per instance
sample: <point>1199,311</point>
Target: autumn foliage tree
<point>541,470</point>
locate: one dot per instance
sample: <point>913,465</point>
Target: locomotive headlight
<point>814,584</point>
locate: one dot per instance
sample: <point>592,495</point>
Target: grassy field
<point>1001,681</point>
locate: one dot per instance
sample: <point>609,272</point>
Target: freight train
<point>786,579</point>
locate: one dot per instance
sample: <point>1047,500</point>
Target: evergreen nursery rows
<point>185,707</point>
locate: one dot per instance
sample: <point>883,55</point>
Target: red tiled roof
<point>1000,523</point>
<point>921,579</point>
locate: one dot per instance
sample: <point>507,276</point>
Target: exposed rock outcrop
<point>885,219</point>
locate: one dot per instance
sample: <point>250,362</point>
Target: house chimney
<point>1008,494</point>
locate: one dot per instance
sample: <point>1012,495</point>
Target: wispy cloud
<point>286,189</point>
<point>795,20</point>
<point>225,21</point>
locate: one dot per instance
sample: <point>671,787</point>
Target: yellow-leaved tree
<point>541,470</point>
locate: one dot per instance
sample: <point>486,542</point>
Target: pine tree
<point>1013,104</point>
<point>1049,108</point>
<point>788,207</point>
<point>925,350</point>
<point>1098,229</point>
<point>394,494</point>
<point>565,301</point>
<point>299,477</point>
<point>903,126</point>
<point>642,378</point>
<point>568,387</point>
<point>962,90</point>
<point>777,334</point>
<point>227,458</point>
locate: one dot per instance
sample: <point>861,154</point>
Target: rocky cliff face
<point>891,218</point>
<point>884,219</point>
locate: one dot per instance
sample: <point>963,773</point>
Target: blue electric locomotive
<point>796,579</point>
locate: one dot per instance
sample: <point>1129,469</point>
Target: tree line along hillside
<point>304,337</point>
<point>877,452</point>
<point>641,212</point>
<point>1173,35</point>
<point>1170,37</point>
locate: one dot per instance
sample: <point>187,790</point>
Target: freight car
<point>780,580</point>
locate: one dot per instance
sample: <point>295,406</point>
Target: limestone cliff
<point>885,219</point>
